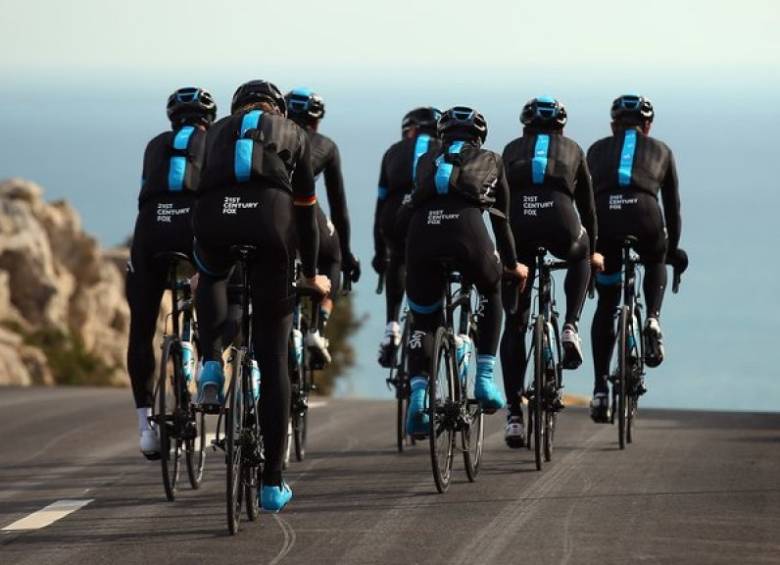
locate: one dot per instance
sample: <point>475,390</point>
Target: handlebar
<point>676,281</point>
<point>380,284</point>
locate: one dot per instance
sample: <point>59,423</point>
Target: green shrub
<point>68,359</point>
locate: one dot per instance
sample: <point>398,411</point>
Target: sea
<point>82,138</point>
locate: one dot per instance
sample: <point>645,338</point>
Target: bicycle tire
<point>441,433</point>
<point>251,502</point>
<point>638,371</point>
<point>622,375</point>
<point>400,376</point>
<point>400,422</point>
<point>166,409</point>
<point>537,410</point>
<point>234,414</point>
<point>550,415</point>
<point>196,453</point>
<point>300,421</point>
<point>473,436</point>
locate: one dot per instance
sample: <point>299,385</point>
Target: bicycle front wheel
<point>167,407</point>
<point>536,404</point>
<point>196,452</point>
<point>552,387</point>
<point>234,413</point>
<point>441,404</point>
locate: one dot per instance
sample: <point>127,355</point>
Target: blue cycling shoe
<point>417,415</point>
<point>274,498</point>
<point>489,396</point>
<point>210,384</point>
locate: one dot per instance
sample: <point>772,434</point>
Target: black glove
<point>379,263</point>
<point>351,267</point>
<point>678,259</point>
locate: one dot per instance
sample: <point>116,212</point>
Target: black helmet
<point>191,102</point>
<point>543,112</point>
<point>424,119</point>
<point>462,121</point>
<point>633,109</point>
<point>258,91</point>
<point>303,104</point>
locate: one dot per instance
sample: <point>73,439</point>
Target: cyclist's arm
<point>505,241</point>
<point>586,205</point>
<point>379,244</point>
<point>337,200</point>
<point>304,199</point>
<point>670,196</point>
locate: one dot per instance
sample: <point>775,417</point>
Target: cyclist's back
<point>551,206</point>
<point>171,176</point>
<point>257,187</point>
<point>396,182</point>
<point>454,185</point>
<point>629,170</point>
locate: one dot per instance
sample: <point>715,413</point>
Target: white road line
<point>48,515</point>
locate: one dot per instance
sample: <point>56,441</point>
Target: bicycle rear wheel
<point>234,414</point>
<point>621,382</point>
<point>536,406</point>
<point>400,377</point>
<point>441,401</point>
<point>552,384</point>
<point>167,407</point>
<point>300,413</point>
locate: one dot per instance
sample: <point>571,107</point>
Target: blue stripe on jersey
<point>382,193</point>
<point>177,168</point>
<point>242,160</point>
<point>420,149</point>
<point>421,309</point>
<point>539,162</point>
<point>444,170</point>
<point>627,158</point>
<point>251,120</point>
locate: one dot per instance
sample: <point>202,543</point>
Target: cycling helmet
<point>303,104</point>
<point>258,91</point>
<point>424,119</point>
<point>632,108</point>
<point>191,101</point>
<point>543,112</point>
<point>462,121</point>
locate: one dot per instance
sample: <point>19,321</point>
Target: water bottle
<point>255,381</point>
<point>187,360</point>
<point>298,344</point>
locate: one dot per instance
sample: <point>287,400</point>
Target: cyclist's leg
<point>395,275</point>
<point>328,264</point>
<point>608,287</point>
<point>480,263</point>
<point>653,255</point>
<point>513,347</point>
<point>577,254</point>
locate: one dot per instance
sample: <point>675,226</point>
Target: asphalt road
<point>697,487</point>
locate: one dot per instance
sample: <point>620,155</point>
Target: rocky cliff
<point>63,314</point>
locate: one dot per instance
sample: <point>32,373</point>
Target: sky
<point>372,38</point>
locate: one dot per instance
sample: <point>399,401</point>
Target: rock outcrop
<point>55,280</point>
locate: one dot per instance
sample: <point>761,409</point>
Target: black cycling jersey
<point>540,162</point>
<point>326,160</point>
<point>172,163</point>
<point>475,174</point>
<point>257,149</point>
<point>631,161</point>
<point>396,180</point>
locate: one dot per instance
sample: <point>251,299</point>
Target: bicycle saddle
<point>243,252</point>
<point>171,256</point>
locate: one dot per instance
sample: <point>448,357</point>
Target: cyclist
<point>454,185</point>
<point>171,175</point>
<point>629,168</point>
<point>307,109</point>
<point>396,181</point>
<point>257,182</point>
<point>551,206</point>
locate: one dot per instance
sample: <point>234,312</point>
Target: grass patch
<point>68,359</point>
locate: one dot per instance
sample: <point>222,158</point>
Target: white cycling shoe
<point>150,443</point>
<point>572,347</point>
<point>389,345</point>
<point>318,347</point>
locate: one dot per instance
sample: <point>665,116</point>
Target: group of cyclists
<point>249,179</point>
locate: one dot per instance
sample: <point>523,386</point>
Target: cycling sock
<point>485,366</point>
<point>143,418</point>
